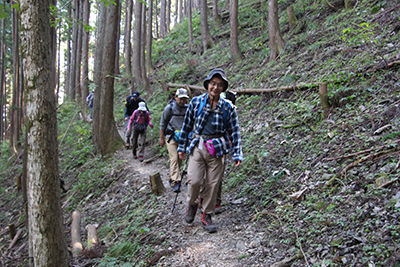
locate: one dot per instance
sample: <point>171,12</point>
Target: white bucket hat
<point>142,106</point>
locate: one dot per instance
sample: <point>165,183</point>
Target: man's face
<point>215,86</point>
<point>180,101</point>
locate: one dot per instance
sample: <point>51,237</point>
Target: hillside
<point>314,189</point>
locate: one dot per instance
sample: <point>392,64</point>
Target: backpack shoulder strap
<point>202,105</point>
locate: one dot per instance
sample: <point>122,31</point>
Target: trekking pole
<point>183,173</point>
<point>151,139</point>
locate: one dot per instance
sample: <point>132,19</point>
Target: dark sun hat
<point>219,72</point>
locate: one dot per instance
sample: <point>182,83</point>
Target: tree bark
<point>3,98</point>
<point>14,135</point>
<point>74,39</point>
<point>291,17</point>
<point>46,230</point>
<point>181,9</point>
<point>110,140</point>
<point>168,19</point>
<point>189,8</point>
<point>76,233</point>
<point>205,32</point>
<point>97,75</point>
<point>137,45</point>
<point>163,22</point>
<point>156,20</point>
<point>67,87</point>
<point>150,38</point>
<point>85,55</point>
<point>78,84</point>
<point>275,38</point>
<point>236,55</point>
<point>145,80</point>
<point>127,38</point>
<point>323,95</point>
<point>216,17</point>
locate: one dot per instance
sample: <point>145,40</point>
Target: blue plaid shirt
<point>232,128</point>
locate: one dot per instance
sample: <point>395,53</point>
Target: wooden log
<point>92,236</point>
<point>75,233</point>
<point>193,87</point>
<point>157,187</point>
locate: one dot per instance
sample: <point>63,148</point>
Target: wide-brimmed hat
<point>181,93</point>
<point>219,72</point>
<point>142,106</point>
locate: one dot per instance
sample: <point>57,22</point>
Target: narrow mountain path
<point>238,241</point>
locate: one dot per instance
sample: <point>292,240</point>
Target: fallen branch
<point>355,163</point>
<point>75,233</point>
<point>360,152</point>
<point>387,183</point>
<point>301,248</point>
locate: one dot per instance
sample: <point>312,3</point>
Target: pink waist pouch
<point>210,147</point>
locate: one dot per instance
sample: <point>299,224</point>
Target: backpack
<point>175,133</point>
<point>140,127</point>
<point>231,96</point>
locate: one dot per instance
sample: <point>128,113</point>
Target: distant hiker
<point>132,104</point>
<point>212,119</point>
<point>170,127</point>
<point>89,100</point>
<point>139,121</point>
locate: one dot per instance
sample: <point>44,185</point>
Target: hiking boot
<point>191,212</point>
<point>207,223</point>
<point>177,187</point>
<point>134,156</point>
<point>140,158</point>
<point>218,209</point>
<point>127,146</point>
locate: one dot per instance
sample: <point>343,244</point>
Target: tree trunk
<point>189,7</point>
<point>67,87</point>
<point>109,136</point>
<point>117,71</point>
<point>216,16</point>
<point>150,38</point>
<point>137,45</point>
<point>181,9</point>
<point>291,17</point>
<point>98,57</point>
<point>205,33</point>
<point>235,50</point>
<point>156,20</point>
<point>3,98</point>
<point>143,71</point>
<point>347,4</point>
<point>163,22</point>
<point>176,12</point>
<point>127,38</point>
<point>46,230</point>
<point>275,38</point>
<point>168,16</point>
<point>14,123</point>
<point>85,54</point>
<point>79,55</point>
<point>74,39</point>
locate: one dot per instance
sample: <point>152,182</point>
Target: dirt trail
<point>236,243</point>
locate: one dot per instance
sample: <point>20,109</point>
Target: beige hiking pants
<point>204,170</point>
<point>174,161</point>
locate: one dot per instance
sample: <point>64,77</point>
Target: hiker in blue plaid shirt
<point>210,127</point>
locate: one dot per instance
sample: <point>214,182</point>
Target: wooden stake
<point>75,233</point>
<point>157,187</point>
<point>92,236</point>
<point>323,95</point>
